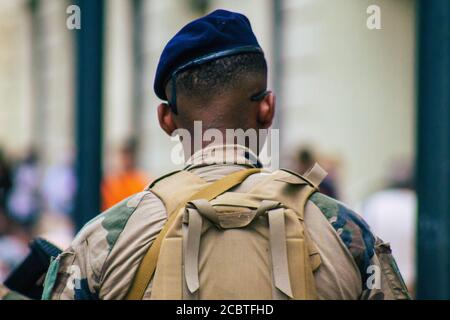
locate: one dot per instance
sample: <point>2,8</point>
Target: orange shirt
<point>115,188</point>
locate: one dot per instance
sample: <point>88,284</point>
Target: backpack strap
<point>147,267</point>
<point>278,247</point>
<point>191,241</point>
<point>177,188</point>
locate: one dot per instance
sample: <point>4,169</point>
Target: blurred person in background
<point>58,190</point>
<point>306,160</point>
<point>127,180</point>
<point>392,214</point>
<point>24,202</point>
<point>59,187</point>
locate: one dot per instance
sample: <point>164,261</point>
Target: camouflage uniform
<point>104,257</point>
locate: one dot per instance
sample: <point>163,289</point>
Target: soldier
<point>223,228</point>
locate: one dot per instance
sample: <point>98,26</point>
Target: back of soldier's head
<point>214,71</point>
<point>219,92</point>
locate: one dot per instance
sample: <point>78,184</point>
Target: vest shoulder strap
<point>176,187</point>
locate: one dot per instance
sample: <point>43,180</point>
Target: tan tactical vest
<point>232,245</point>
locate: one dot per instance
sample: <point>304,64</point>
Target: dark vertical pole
<point>433,154</point>
<point>89,72</point>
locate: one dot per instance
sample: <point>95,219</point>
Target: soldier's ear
<point>165,118</point>
<point>266,111</point>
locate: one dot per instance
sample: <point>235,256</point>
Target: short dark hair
<point>221,75</point>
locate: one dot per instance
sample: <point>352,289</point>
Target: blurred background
<point>78,126</point>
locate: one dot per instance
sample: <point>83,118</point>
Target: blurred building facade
<point>36,78</point>
<point>345,89</point>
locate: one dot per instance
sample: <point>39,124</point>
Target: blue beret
<point>219,34</point>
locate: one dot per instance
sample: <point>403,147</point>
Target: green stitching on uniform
<point>50,279</point>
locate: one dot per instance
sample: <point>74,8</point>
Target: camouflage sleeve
<point>70,276</point>
<point>385,281</point>
<point>380,276</point>
<point>6,294</point>
<point>74,274</point>
<point>83,271</point>
<point>63,281</point>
